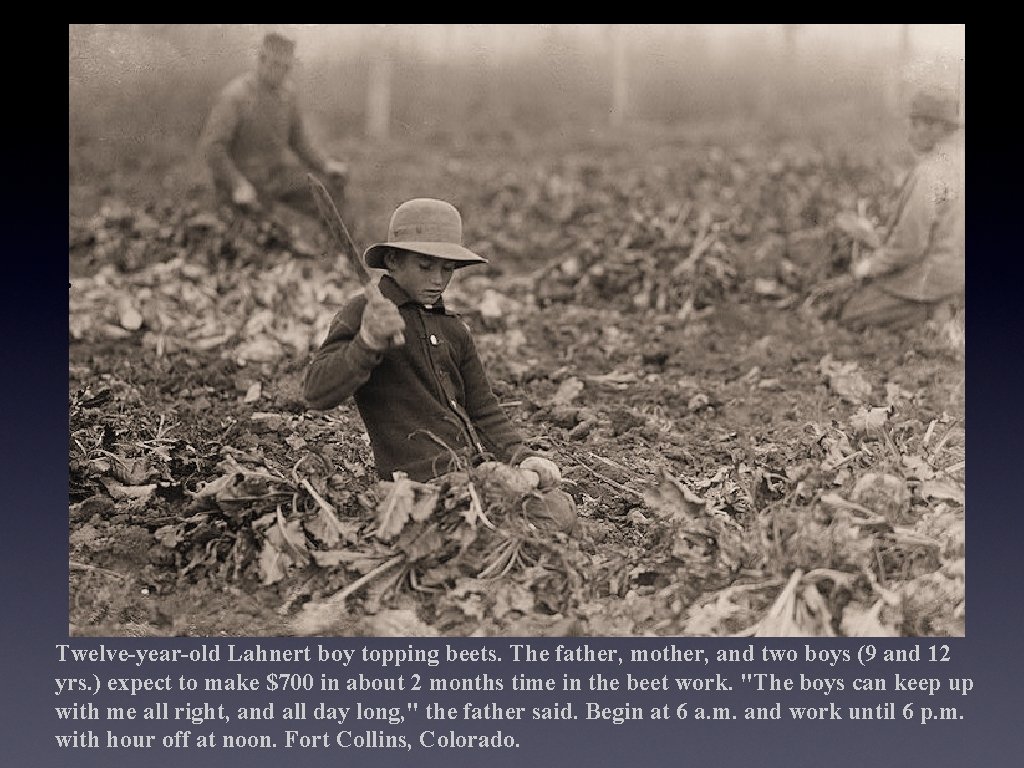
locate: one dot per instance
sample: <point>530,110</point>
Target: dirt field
<point>740,466</point>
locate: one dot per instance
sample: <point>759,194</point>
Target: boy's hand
<point>337,170</point>
<point>380,324</point>
<point>863,268</point>
<point>858,228</point>
<point>547,471</point>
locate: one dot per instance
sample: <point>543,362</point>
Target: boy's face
<point>424,278</point>
<point>925,133</point>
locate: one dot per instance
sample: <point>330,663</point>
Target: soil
<point>645,320</point>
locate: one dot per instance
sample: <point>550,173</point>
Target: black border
<point>34,561</point>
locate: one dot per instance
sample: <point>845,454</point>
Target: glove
<point>380,324</point>
<point>244,194</point>
<point>337,169</point>
<point>546,470</point>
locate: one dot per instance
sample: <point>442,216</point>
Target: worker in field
<point>413,369</point>
<point>916,272</point>
<point>255,141</point>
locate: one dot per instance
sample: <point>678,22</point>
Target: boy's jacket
<point>418,400</point>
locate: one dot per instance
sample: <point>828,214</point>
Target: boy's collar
<point>390,289</point>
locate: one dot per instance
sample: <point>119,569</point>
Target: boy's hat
<point>427,226</point>
<point>936,104</point>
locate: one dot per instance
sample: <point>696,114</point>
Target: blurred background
<point>135,85</point>
<point>463,111</point>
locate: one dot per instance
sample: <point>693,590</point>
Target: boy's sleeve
<point>343,363</point>
<point>492,425</point>
<point>218,134</point>
<point>908,240</point>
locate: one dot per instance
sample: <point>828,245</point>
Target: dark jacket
<point>417,400</point>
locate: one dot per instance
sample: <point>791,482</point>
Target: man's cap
<point>936,104</point>
<point>275,41</point>
<point>428,226</point>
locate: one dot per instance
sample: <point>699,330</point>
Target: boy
<point>414,370</point>
<point>920,265</point>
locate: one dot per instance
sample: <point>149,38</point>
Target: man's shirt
<point>253,130</point>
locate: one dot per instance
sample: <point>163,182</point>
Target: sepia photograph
<point>516,330</point>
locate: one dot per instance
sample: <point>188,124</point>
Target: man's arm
<point>300,142</point>
<point>343,363</point>
<point>219,132</point>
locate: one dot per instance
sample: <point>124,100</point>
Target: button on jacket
<point>419,399</point>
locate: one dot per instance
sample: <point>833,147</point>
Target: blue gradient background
<point>34,561</point>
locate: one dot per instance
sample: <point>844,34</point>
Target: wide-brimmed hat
<point>936,104</point>
<point>427,226</point>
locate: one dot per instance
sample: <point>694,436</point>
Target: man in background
<point>255,141</point>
